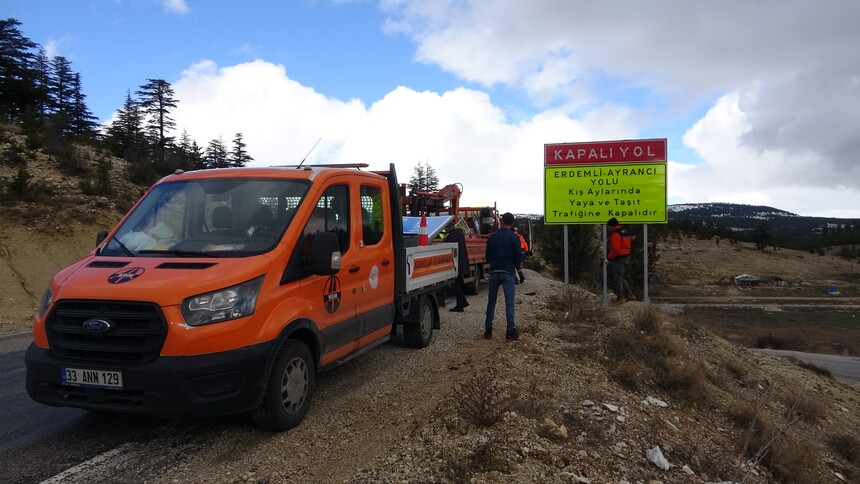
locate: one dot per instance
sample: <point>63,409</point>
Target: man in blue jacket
<point>505,257</point>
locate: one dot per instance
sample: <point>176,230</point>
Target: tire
<point>419,335</point>
<point>289,389</point>
<point>474,287</point>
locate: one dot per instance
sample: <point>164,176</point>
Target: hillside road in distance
<point>844,368</point>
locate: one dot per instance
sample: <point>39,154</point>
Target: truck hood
<point>164,281</point>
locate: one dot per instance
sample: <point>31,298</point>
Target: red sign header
<point>623,151</point>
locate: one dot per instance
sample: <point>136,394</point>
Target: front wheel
<point>289,389</point>
<point>419,335</point>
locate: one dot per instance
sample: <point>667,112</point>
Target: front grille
<point>138,331</point>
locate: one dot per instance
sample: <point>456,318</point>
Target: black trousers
<point>458,292</point>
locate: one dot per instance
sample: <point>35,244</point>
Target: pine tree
<point>762,236</point>
<point>125,137</point>
<point>189,152</point>
<point>216,155</point>
<point>125,134</point>
<point>42,81</point>
<point>423,178</point>
<point>18,94</point>
<point>239,156</point>
<point>156,101</point>
<point>82,123</point>
<point>60,86</point>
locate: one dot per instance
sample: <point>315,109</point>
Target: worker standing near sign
<point>619,251</point>
<point>505,257</point>
<point>524,248</point>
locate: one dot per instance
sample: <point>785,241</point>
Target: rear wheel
<point>289,389</point>
<point>474,287</point>
<point>419,335</point>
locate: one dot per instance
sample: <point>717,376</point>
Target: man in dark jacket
<point>505,257</point>
<point>458,237</point>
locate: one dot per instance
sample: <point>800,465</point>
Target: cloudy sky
<point>758,100</point>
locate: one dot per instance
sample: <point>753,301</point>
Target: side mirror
<point>325,254</point>
<point>100,237</point>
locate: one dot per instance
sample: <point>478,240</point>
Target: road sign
<point>593,181</point>
<point>622,151</point>
<point>592,194</point>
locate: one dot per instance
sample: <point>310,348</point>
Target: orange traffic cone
<point>423,239</point>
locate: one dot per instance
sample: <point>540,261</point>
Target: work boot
<point>512,335</point>
<point>488,334</point>
<point>632,297</point>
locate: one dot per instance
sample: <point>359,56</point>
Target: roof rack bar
<point>330,165</point>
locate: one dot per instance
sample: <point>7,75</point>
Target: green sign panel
<point>634,193</point>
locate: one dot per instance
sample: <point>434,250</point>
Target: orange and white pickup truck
<point>225,291</point>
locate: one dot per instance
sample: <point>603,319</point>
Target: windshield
<point>220,217</point>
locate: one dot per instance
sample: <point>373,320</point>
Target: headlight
<point>222,305</point>
<point>45,303</point>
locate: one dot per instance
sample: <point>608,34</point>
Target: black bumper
<point>169,387</point>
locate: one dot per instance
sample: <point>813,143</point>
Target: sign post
<point>593,181</point>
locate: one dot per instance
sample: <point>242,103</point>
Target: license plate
<point>83,377</point>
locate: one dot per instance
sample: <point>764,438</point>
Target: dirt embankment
<point>28,259</point>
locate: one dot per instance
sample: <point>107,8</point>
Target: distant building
<point>747,280</point>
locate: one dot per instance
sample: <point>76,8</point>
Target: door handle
<point>385,262</point>
<point>353,269</point>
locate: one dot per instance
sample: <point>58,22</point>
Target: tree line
<point>44,96</point>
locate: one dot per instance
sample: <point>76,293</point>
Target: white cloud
<point>175,6</point>
<point>782,87</point>
<point>800,182</point>
<point>460,132</point>
<point>790,61</point>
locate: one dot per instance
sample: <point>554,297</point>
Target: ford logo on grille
<point>97,326</point>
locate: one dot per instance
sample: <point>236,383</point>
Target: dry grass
<point>808,407</point>
<point>815,369</point>
<point>648,320</point>
<point>650,355</point>
<point>534,402</point>
<point>792,458</point>
<point>737,369</point>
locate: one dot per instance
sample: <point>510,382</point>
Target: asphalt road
<point>844,368</point>
<point>38,442</point>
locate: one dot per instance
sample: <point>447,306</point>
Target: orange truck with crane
<point>225,291</point>
<point>477,224</point>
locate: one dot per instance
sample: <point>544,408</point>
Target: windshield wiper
<point>179,253</point>
<point>122,246</point>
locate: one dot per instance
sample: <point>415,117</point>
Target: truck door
<point>333,298</point>
<point>374,261</point>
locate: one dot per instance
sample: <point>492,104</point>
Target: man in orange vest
<point>524,248</point>
<point>619,252</point>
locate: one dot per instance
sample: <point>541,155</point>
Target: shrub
<point>807,407</point>
<point>688,381</point>
<point>792,459</point>
<point>534,402</point>
<point>648,320</point>
<point>737,369</point>
<point>846,445</point>
<point>816,369</point>
<point>481,400</point>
